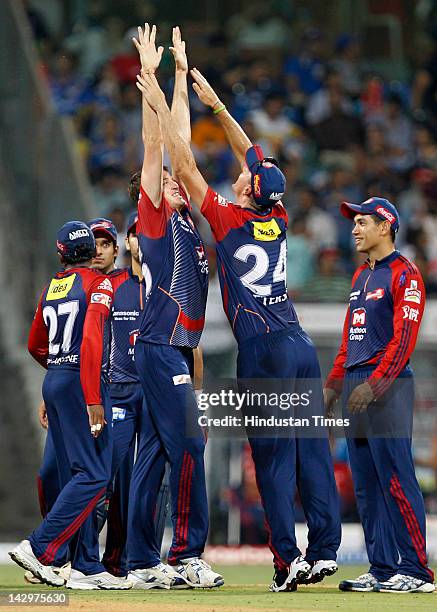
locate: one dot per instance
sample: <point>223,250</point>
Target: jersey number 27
<point>51,319</point>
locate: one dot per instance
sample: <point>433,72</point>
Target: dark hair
<point>135,184</point>
<point>378,221</point>
<point>81,254</point>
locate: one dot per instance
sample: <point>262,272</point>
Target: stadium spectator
<point>328,284</point>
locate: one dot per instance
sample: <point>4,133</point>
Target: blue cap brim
<point>349,210</point>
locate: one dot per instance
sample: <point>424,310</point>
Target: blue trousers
<point>164,373</point>
<point>127,401</point>
<point>48,477</point>
<point>286,362</point>
<point>388,495</point>
<point>84,471</point>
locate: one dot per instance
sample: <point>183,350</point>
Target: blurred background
<point>345,97</point>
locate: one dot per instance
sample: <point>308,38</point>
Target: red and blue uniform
<point>175,272</point>
<point>251,260</point>
<point>66,337</point>
<point>127,400</point>
<point>379,335</point>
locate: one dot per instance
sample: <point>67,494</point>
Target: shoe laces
<point>365,577</point>
<point>200,563</point>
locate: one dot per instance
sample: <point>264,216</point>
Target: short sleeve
<point>100,295</point>
<point>152,221</point>
<point>221,214</point>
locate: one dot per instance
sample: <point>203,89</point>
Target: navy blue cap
<point>380,207</point>
<point>268,182</point>
<point>132,221</point>
<point>74,236</point>
<point>103,226</point>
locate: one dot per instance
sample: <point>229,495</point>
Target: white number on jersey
<point>50,316</point>
<point>261,267</point>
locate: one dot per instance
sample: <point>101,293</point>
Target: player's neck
<point>379,252</point>
<point>109,269</point>
<point>136,268</point>
<point>245,202</point>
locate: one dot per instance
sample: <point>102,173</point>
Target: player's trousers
<point>287,360</point>
<point>127,402</point>
<point>48,477</point>
<point>388,495</point>
<point>84,471</point>
<point>164,372</point>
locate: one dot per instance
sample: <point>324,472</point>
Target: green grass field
<point>245,590</point>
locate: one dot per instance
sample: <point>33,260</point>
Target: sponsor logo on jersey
<point>101,298</point>
<point>356,331</point>
<point>266,231</point>
<point>386,214</point>
<point>412,293</point>
<point>105,285</point>
<point>78,234</point>
<point>181,379</point>
<point>118,414</point>
<point>60,287</point>
<point>221,201</point>
<point>354,295</point>
<point>411,314</point>
<point>257,185</point>
<point>359,316</point>
<point>377,294</point>
<point>133,335</point>
<point>200,251</point>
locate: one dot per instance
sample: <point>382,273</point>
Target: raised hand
<point>148,85</point>
<point>178,51</point>
<point>150,56</point>
<point>204,90</point>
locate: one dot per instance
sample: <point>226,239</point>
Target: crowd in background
<point>339,130</point>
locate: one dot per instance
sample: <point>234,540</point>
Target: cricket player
<point>124,388</point>
<point>251,253</point>
<point>175,271</point>
<point>66,337</point>
<point>373,374</point>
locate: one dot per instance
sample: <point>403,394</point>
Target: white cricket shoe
<point>31,579</point>
<point>23,555</point>
<point>319,570</point>
<point>399,583</point>
<point>159,576</point>
<point>63,571</point>
<point>198,574</point>
<point>287,581</point>
<point>102,580</point>
<point>362,584</point>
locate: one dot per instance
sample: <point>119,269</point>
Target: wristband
<point>219,109</point>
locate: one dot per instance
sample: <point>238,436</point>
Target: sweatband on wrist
<point>219,109</point>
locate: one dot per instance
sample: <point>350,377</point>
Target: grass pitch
<point>246,590</point>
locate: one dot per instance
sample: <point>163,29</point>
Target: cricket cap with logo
<point>267,180</point>
<point>131,222</point>
<point>103,226</point>
<point>74,239</point>
<point>380,207</point>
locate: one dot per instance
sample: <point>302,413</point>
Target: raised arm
<point>181,156</point>
<point>151,173</point>
<point>180,108</point>
<point>236,136</point>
